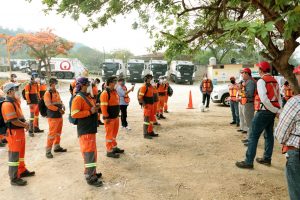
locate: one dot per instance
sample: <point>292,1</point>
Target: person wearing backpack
<point>267,104</point>
<point>15,122</point>
<point>146,100</point>
<point>162,93</point>
<point>84,109</point>
<point>124,101</point>
<point>55,111</point>
<point>32,97</point>
<point>110,107</point>
<point>156,102</point>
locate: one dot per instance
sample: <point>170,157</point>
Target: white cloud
<point>29,16</point>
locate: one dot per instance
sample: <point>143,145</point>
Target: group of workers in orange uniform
<point>85,107</point>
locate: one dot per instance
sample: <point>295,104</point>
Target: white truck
<point>158,68</point>
<point>112,67</point>
<point>136,69</point>
<point>182,72</point>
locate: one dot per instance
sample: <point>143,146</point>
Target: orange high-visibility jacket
<point>146,94</point>
<point>12,110</point>
<point>233,89</point>
<point>43,89</point>
<point>32,93</point>
<point>288,92</point>
<point>272,87</point>
<point>53,104</point>
<point>207,85</point>
<point>162,89</point>
<point>110,104</point>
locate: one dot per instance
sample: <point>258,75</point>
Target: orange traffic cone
<point>190,105</point>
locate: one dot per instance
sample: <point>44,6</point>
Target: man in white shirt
<point>267,104</point>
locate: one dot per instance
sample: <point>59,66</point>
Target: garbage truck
<point>158,68</point>
<point>182,72</point>
<point>112,67</point>
<point>136,69</point>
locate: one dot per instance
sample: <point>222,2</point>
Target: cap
<point>13,76</point>
<point>148,76</point>
<point>9,86</point>
<point>111,79</point>
<point>264,66</point>
<point>246,70</point>
<point>82,81</point>
<point>232,78</point>
<point>296,70</point>
<point>53,81</point>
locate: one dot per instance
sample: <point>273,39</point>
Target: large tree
<point>272,26</point>
<point>42,45</point>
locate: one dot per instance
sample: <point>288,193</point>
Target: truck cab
<point>182,72</point>
<point>158,68</point>
<point>112,67</point>
<point>136,70</point>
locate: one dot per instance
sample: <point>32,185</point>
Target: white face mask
<point>17,95</point>
<point>160,81</point>
<point>115,86</point>
<point>89,89</point>
<point>43,81</point>
<point>151,82</point>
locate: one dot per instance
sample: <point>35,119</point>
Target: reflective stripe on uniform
<point>31,119</point>
<point>21,159</point>
<point>89,165</point>
<point>146,123</point>
<point>74,112</point>
<point>13,164</point>
<point>109,141</point>
<point>142,94</point>
<point>10,114</point>
<point>26,92</point>
<point>104,104</point>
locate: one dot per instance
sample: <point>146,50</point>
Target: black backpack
<point>3,125</point>
<point>139,92</point>
<point>42,106</point>
<point>170,91</point>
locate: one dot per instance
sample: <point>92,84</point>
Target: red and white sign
<point>65,65</point>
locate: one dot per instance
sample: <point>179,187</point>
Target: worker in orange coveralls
<point>84,110</point>
<point>55,110</point>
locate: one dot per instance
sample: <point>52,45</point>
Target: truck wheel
<point>225,100</point>
<point>60,75</point>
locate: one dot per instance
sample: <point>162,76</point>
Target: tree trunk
<point>39,68</point>
<point>49,68</point>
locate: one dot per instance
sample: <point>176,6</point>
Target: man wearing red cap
<point>288,134</point>
<point>248,87</point>
<point>234,104</point>
<point>267,105</point>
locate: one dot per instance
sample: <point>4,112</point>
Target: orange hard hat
<point>264,66</point>
<point>296,70</point>
<point>247,70</point>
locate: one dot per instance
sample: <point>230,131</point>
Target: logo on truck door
<point>65,65</point>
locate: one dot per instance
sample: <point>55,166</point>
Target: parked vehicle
<point>182,72</point>
<point>158,68</point>
<point>112,67</point>
<point>136,69</point>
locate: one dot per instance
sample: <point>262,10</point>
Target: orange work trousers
<point>88,149</point>
<point>55,130</point>
<point>34,115</point>
<point>166,103</point>
<point>111,129</point>
<point>161,103</point>
<point>148,118</point>
<point>16,152</point>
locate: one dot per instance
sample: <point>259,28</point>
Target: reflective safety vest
<point>243,93</point>
<point>233,89</point>
<point>272,93</point>
<point>206,85</point>
<point>288,93</point>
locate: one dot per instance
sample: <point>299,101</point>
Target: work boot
<point>166,111</point>
<point>4,141</point>
<point>245,141</point>
<point>49,155</point>
<point>27,174</point>
<point>152,134</point>
<point>60,149</point>
<point>263,161</point>
<point>99,175</point>
<point>158,117</point>
<point>239,130</point>
<point>100,122</point>
<point>18,182</point>
<point>238,125</point>
<point>38,130</point>
<point>112,155</point>
<point>31,134</point>
<point>94,181</point>
<point>162,117</point>
<point>156,124</point>
<point>233,123</point>
<point>243,165</point>
<point>118,150</point>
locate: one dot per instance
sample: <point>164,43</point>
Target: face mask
<point>37,80</point>
<point>160,81</point>
<point>89,89</point>
<point>232,81</point>
<point>115,87</point>
<point>205,78</point>
<point>151,82</point>
<point>43,81</point>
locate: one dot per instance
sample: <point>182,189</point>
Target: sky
<point>117,35</point>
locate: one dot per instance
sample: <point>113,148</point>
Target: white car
<point>220,94</point>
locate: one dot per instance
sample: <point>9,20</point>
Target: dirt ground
<point>193,159</point>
